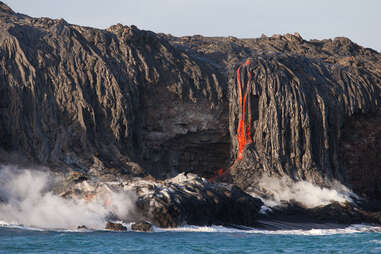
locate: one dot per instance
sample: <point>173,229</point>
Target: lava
<point>244,130</point>
<point>244,127</point>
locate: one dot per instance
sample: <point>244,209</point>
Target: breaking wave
<point>356,228</point>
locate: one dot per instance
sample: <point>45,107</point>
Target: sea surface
<point>190,239</point>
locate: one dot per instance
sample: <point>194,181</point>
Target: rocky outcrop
<point>188,199</point>
<point>115,226</point>
<point>184,199</point>
<point>142,226</point>
<point>82,227</point>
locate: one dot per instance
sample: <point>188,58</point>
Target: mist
<point>276,191</point>
<point>28,201</point>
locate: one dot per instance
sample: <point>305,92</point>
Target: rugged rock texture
<point>293,104</point>
<point>184,199</point>
<point>115,226</point>
<point>78,97</point>
<point>292,110</point>
<point>128,102</point>
<point>360,153</point>
<point>188,199</point>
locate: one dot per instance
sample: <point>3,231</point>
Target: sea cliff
<point>222,114</point>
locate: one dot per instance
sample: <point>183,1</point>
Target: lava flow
<point>244,127</point>
<point>244,130</point>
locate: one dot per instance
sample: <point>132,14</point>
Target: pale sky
<point>318,19</point>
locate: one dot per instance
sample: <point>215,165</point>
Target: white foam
<point>356,228</point>
<point>31,204</point>
<point>278,190</point>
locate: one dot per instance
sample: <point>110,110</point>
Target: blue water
<point>17,240</point>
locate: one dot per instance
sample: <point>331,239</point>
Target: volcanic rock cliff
<point>123,101</point>
<point>95,99</point>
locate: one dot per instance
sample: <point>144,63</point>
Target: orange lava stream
<point>243,135</point>
<point>244,129</point>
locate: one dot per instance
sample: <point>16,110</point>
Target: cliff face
<point>295,108</point>
<point>134,102</point>
<point>85,98</point>
<point>293,115</point>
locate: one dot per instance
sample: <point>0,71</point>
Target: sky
<point>319,19</point>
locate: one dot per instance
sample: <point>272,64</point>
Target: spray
<point>28,201</point>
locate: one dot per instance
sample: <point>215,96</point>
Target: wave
<point>355,228</point>
<point>4,224</point>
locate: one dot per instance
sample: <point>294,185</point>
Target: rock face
<point>359,152</point>
<point>289,113</point>
<point>293,105</point>
<point>128,102</point>
<point>77,97</point>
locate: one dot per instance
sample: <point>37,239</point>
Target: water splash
<point>28,201</point>
<point>275,191</point>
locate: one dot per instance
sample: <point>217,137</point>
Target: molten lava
<point>244,125</point>
<point>244,129</point>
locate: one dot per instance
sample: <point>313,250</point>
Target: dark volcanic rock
<point>193,200</point>
<point>332,214</point>
<point>82,227</point>
<point>80,97</point>
<point>142,226</point>
<point>300,99</point>
<point>132,102</point>
<point>115,226</point>
<point>360,153</point>
<point>289,113</point>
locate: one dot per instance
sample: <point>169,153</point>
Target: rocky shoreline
<point>188,127</point>
<point>188,199</point>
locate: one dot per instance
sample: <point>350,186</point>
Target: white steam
<point>276,191</point>
<point>27,201</point>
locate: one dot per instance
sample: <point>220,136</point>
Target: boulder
<point>142,226</point>
<point>115,226</point>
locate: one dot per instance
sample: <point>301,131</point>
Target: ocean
<point>191,239</point>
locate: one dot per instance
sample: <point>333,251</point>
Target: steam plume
<point>28,201</point>
<point>278,190</point>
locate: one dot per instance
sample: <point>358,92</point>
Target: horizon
<point>246,19</point>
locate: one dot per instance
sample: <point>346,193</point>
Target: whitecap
<point>356,228</point>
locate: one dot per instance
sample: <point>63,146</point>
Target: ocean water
<point>353,239</point>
